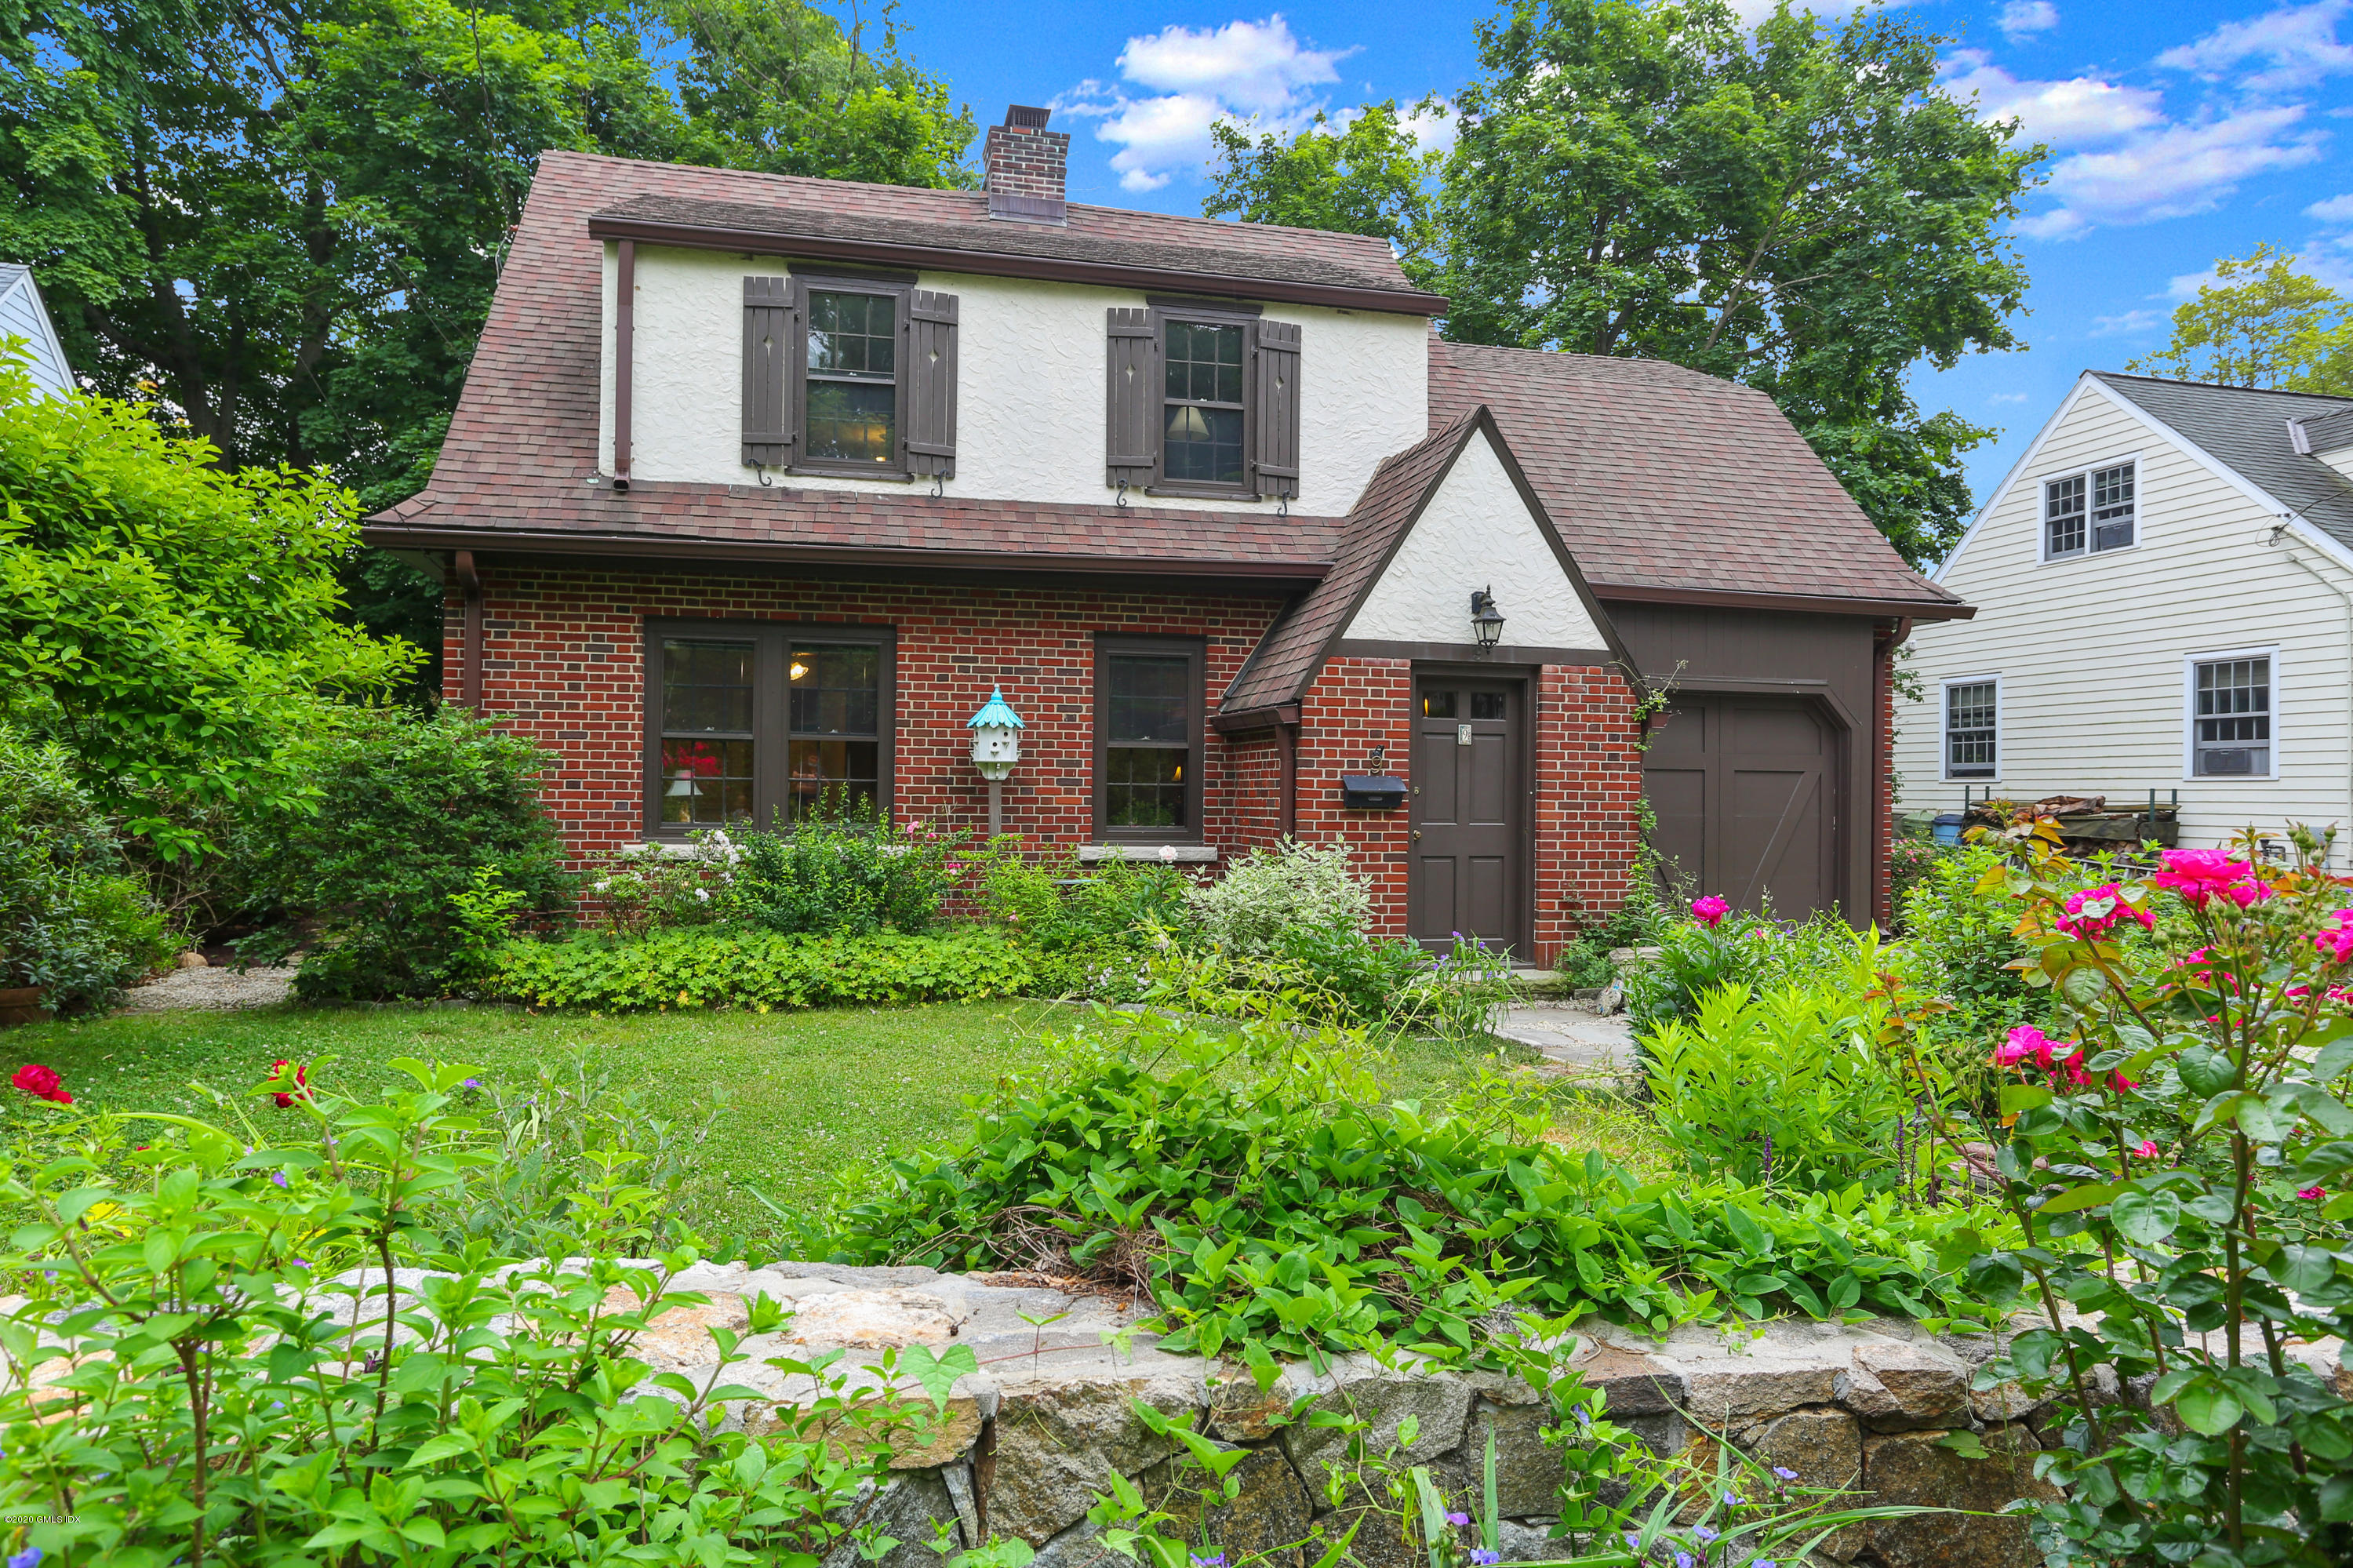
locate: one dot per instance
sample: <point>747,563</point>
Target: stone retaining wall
<point>1034,1435</point>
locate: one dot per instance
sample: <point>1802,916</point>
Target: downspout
<point>1882,742</point>
<point>2280,531</point>
<point>469,683</point>
<point>625,322</point>
<point>1286,739</point>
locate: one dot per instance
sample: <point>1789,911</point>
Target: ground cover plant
<point>76,920</point>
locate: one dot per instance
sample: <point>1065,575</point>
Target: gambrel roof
<point>2245,428</point>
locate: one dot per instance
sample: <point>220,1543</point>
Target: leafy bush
<point>221,1321</point>
<point>2177,1166</point>
<point>650,888</point>
<point>73,920</point>
<point>1696,956</point>
<point>1959,943</point>
<point>1268,893</point>
<point>1911,861</point>
<point>1584,961</point>
<point>844,872</point>
<point>410,811</point>
<point>736,965</point>
<point>1788,1086</point>
<point>1258,1188</point>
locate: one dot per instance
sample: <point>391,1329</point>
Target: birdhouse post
<point>995,747</point>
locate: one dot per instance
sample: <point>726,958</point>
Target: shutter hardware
<point>762,468</point>
<point>1121,499</point>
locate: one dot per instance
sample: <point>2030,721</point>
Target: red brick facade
<point>564,662</point>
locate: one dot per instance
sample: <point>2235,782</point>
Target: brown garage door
<point>1746,793</point>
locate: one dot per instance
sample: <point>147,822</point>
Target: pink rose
<point>2023,1041</point>
<point>2336,943</point>
<point>2245,893</point>
<point>1709,910</point>
<point>2198,875</point>
<point>2147,1150</point>
<point>2092,911</point>
<point>2311,1194</point>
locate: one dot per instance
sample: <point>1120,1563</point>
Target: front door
<point>1468,875</point>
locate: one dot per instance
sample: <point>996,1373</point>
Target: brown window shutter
<point>1276,411</point>
<point>771,424</point>
<point>931,371</point>
<point>1132,399</point>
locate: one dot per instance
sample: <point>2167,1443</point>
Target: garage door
<point>1744,791</point>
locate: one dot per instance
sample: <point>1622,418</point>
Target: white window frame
<point>1945,730</point>
<point>2085,472</point>
<point>2190,663</point>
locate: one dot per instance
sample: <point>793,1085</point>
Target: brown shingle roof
<point>519,465</point>
<point>1660,478</point>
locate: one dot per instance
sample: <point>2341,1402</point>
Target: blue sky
<point>2179,133</point>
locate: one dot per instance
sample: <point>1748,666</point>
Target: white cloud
<point>2336,209</point>
<point>2128,322</point>
<point>2186,286</point>
<point>2182,169</point>
<point>1257,71</point>
<point>2298,43</point>
<point>2064,113</point>
<point>2021,17</point>
<point>1432,129</point>
<point>2007,397</point>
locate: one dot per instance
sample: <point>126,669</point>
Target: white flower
<point>703,894</point>
<point>602,885</point>
<point>1167,852</point>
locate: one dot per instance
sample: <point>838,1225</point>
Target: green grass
<point>809,1096</point>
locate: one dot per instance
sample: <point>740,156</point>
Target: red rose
<point>302,1086</point>
<point>41,1083</point>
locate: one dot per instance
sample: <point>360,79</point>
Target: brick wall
<point>564,662</point>
<point>1023,162</point>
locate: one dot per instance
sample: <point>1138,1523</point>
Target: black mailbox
<point>1372,792</point>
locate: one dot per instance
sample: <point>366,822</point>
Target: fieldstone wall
<point>1034,1435</point>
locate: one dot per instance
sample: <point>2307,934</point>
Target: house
<point>2165,594</point>
<point>759,485</point>
<point>23,316</point>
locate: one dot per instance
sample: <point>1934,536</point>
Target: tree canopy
<point>2261,324</point>
<point>1796,207</point>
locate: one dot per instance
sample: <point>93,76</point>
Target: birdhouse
<point>996,736</point>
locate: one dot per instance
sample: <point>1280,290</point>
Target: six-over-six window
<point>2087,512</point>
<point>1972,709</point>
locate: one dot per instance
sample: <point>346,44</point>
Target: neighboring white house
<point>22,314</point>
<point>2164,587</point>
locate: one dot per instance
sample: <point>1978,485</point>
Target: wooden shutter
<point>931,371</point>
<point>1132,399</point>
<point>771,418</point>
<point>1276,415</point>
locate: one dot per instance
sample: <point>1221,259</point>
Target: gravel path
<point>212,990</point>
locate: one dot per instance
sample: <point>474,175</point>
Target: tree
<point>1366,176</point>
<point>173,621</point>
<point>2261,324</point>
<point>1801,210</point>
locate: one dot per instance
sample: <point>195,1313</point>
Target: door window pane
<point>1486,705</point>
<point>2233,718</point>
<point>1438,705</point>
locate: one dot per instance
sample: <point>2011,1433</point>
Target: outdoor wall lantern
<point>1485,618</point>
<point>995,747</point>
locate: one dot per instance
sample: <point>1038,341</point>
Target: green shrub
<point>74,920</point>
<point>838,873</point>
<point>1958,943</point>
<point>1268,893</point>
<point>410,811</point>
<point>1910,862</point>
<point>1260,1188</point>
<point>1755,950</point>
<point>738,966</point>
<point>240,1399</point>
<point>1789,1087</point>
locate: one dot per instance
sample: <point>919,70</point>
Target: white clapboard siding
<point>2090,651</point>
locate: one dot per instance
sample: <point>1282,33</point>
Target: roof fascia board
<point>2024,463</point>
<point>1796,604</point>
<point>2272,504</point>
<point>1004,264</point>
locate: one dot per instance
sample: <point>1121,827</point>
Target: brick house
<point>760,484</point>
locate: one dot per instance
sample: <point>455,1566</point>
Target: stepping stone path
<point>1575,1041</point>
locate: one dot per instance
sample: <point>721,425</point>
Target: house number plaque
<point>1462,735</point>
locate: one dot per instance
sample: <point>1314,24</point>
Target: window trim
<point>1945,730</point>
<point>2190,663</point>
<point>2084,471</point>
<point>1212,314</point>
<point>771,718</point>
<point>899,288</point>
<point>1196,651</point>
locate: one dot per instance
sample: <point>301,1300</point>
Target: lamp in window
<point>995,747</point>
<point>683,785</point>
<point>1486,620</point>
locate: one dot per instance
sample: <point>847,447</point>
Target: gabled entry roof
<point>1297,646</point>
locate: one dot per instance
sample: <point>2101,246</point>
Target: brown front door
<point>1468,873</point>
<point>1744,791</point>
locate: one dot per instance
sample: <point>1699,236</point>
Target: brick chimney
<point>1025,163</point>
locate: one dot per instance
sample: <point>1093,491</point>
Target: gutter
<point>469,687</point>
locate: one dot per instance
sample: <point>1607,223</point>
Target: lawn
<point>809,1096</point>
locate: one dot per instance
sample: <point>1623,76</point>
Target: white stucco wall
<point>2090,651</point>
<point>1029,392</point>
<point>1475,533</point>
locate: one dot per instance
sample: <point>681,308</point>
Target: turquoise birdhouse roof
<point>995,713</point>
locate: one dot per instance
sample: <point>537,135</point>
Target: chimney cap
<point>1023,117</point>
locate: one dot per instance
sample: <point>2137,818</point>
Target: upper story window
<point>2231,717</point>
<point>2089,512</point>
<point>852,382</point>
<point>1202,400</point>
<point>1201,438</point>
<point>1972,715</point>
